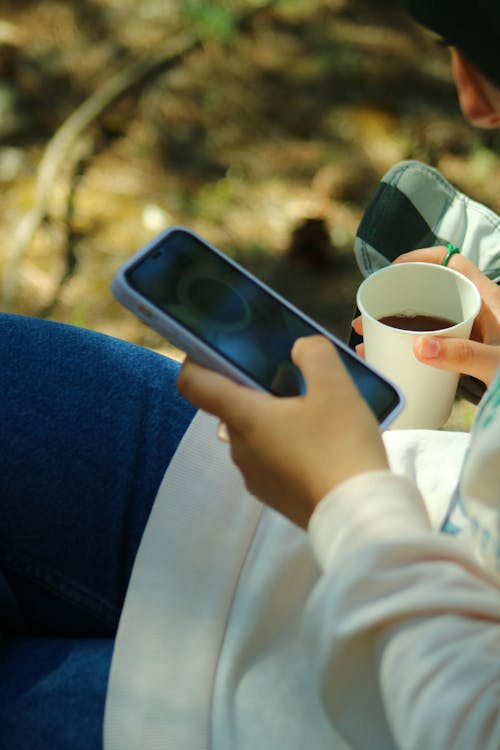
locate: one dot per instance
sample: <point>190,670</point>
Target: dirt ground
<point>245,134</point>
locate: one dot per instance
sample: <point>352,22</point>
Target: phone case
<point>196,349</point>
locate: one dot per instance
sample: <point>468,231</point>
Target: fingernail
<point>427,347</point>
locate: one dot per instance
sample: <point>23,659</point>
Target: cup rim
<point>442,269</point>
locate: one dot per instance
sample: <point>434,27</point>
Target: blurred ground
<point>294,115</point>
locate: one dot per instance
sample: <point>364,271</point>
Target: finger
<point>200,386</point>
<point>317,359</point>
<point>436,255</point>
<point>459,355</point>
<point>215,393</point>
<point>424,255</point>
<point>357,325</point>
<point>360,350</point>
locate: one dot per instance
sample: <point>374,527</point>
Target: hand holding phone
<point>292,452</point>
<point>224,318</point>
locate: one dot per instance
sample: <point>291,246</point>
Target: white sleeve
<point>403,626</point>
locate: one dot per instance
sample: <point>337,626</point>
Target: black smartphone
<point>210,307</point>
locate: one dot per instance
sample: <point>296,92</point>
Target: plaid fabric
<point>413,207</point>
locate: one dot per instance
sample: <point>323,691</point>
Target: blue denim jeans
<point>88,425</point>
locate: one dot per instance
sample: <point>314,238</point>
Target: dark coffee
<point>422,323</point>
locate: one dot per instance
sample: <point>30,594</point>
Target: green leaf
<point>212,21</point>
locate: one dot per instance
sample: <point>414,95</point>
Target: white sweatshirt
<point>242,632</point>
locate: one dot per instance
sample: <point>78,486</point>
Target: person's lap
<point>88,426</point>
<point>52,693</point>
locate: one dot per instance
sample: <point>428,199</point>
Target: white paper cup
<point>416,289</point>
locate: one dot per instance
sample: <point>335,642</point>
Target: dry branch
<point>59,147</point>
<point>58,151</point>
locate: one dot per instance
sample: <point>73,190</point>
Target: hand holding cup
<point>416,297</point>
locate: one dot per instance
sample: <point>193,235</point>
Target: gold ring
<point>222,433</point>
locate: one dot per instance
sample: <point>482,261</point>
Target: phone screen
<point>233,314</point>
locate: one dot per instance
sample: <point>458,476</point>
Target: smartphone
<point>224,318</point>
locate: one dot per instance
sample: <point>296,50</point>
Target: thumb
<point>320,364</point>
<point>459,355</point>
